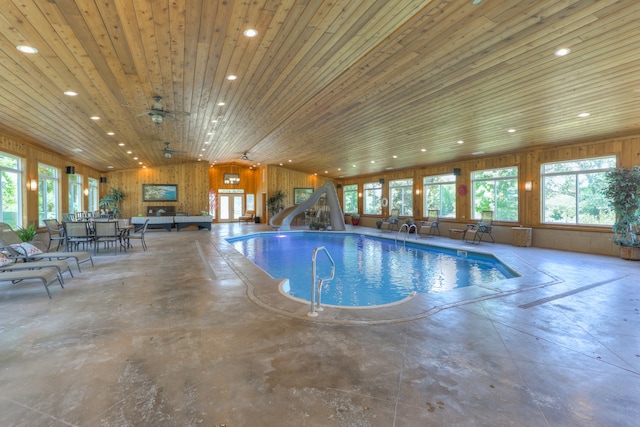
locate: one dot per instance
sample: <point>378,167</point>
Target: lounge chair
<point>393,222</point>
<point>431,226</point>
<point>60,265</point>
<point>28,252</point>
<point>475,232</point>
<point>247,217</point>
<point>46,275</point>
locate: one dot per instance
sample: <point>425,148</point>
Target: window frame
<point>350,190</point>
<point>440,181</point>
<point>44,193</point>
<point>372,190</point>
<point>93,202</point>
<point>16,172</point>
<point>404,187</point>
<point>75,193</point>
<point>493,176</point>
<point>575,174</point>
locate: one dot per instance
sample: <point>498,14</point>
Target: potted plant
<point>379,224</point>
<point>355,218</point>
<point>112,201</point>
<point>622,189</point>
<point>28,233</point>
<point>274,202</point>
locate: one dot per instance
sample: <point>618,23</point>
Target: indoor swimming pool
<point>369,271</point>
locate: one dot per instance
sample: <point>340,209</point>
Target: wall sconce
<point>528,185</point>
<point>86,191</point>
<point>32,185</point>
<point>359,194</point>
<point>417,191</point>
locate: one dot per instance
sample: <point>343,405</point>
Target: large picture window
<point>401,196</point>
<point>373,198</point>
<point>92,185</point>
<point>496,190</point>
<point>350,198</point>
<point>439,193</point>
<point>48,187</point>
<point>75,193</point>
<point>572,192</point>
<point>10,194</point>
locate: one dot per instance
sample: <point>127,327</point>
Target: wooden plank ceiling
<point>336,87</point>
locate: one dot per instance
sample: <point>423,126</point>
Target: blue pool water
<point>369,271</point>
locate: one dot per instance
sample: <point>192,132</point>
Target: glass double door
<point>230,207</point>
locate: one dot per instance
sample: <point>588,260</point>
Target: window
<point>47,193</point>
<point>93,195</point>
<point>495,190</point>
<point>75,193</point>
<point>401,195</point>
<point>251,202</point>
<point>350,198</point>
<point>439,192</point>
<point>10,194</point>
<point>373,198</point>
<point>572,192</point>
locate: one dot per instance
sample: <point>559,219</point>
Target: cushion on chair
<point>26,248</point>
<point>5,261</point>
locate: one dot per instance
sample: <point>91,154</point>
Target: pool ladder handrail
<point>317,291</point>
<point>409,227</point>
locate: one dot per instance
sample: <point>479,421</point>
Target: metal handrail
<point>315,307</point>
<point>408,227</point>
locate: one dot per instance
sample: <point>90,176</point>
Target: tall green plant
<point>274,202</point>
<point>112,200</point>
<point>622,189</point>
<point>28,233</point>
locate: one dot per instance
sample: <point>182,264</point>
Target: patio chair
<point>475,232</point>
<point>61,266</point>
<point>393,222</point>
<point>28,252</point>
<point>77,233</point>
<point>56,233</point>
<point>247,217</point>
<point>139,235</point>
<point>431,226</point>
<point>106,232</point>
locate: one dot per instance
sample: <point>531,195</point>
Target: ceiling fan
<point>245,156</point>
<point>158,113</point>
<point>168,152</point>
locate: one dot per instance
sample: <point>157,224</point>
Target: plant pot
<point>631,253</point>
<point>355,221</point>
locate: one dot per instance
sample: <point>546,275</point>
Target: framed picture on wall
<point>159,193</point>
<point>301,194</point>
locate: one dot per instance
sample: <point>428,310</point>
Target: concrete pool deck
<point>170,337</point>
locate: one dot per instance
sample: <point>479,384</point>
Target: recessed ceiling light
<point>290,160</point>
<point>110,167</point>
<point>511,130</point>
<point>139,163</point>
<point>562,51</point>
<point>214,121</point>
<point>70,93</point>
<point>135,158</point>
<point>232,77</point>
<point>460,142</point>
<point>199,155</point>
<point>339,169</point>
<point>207,142</point>
<point>326,171</point>
<point>121,144</point>
<point>315,174</point>
<point>77,150</point>
<point>202,149</point>
<point>27,49</point>
<point>220,104</point>
<point>373,161</point>
<point>94,118</point>
<point>353,166</point>
<point>280,164</point>
<point>111,133</point>
<point>250,32</point>
<point>129,152</point>
<point>423,150</point>
<point>477,153</point>
<point>394,156</point>
<point>144,167</point>
<point>210,133</point>
<point>584,115</point>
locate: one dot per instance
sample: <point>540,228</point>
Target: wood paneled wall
<point>528,162</point>
<point>32,154</point>
<point>191,178</point>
